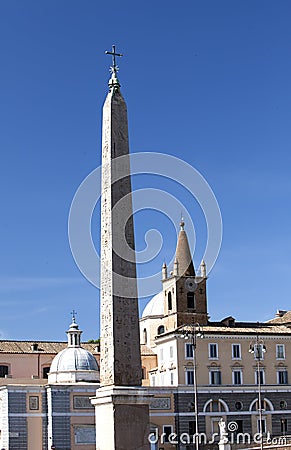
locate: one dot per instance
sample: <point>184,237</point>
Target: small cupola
<point>73,333</point>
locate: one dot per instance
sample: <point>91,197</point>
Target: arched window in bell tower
<point>169,301</point>
<point>190,300</point>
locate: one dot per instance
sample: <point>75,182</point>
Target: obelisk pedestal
<point>122,418</point>
<point>121,404</point>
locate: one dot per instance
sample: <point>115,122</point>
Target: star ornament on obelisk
<point>121,404</point>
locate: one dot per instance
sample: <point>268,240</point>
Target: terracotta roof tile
<point>285,318</point>
<point>43,347</point>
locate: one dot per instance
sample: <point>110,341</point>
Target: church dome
<point>73,358</point>
<point>74,363</point>
<point>155,306</point>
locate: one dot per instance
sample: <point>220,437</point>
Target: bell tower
<point>185,298</point>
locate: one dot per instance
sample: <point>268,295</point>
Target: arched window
<point>3,370</point>
<point>169,301</point>
<point>161,329</point>
<point>215,406</point>
<point>145,337</point>
<point>266,405</point>
<point>190,300</point>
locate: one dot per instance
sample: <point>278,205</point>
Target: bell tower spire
<point>186,290</point>
<point>183,254</point>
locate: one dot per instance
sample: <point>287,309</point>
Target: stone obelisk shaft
<point>121,403</point>
<point>120,363</point>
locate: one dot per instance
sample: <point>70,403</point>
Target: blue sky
<point>205,81</point>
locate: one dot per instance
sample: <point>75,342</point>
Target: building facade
<point>226,365</point>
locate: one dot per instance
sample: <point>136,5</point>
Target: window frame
<point>212,371</point>
<point>233,346</point>
<point>189,373</point>
<point>239,371</point>
<point>213,345</point>
<point>264,423</point>
<point>284,426</point>
<point>191,298</point>
<point>282,371</point>
<point>172,378</point>
<point>189,345</point>
<point>278,357</point>
<point>262,376</point>
<point>170,302</point>
<point>165,439</point>
<point>7,366</point>
<point>171,351</point>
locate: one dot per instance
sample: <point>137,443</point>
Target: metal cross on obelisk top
<point>114,54</point>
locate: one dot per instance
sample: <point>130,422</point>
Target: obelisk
<point>121,404</point>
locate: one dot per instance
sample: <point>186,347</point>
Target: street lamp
<point>192,334</point>
<point>258,349</point>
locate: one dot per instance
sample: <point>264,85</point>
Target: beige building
<point>233,360</point>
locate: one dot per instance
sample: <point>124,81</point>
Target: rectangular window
<point>280,351</point>
<point>236,354</point>
<point>264,428</point>
<point>262,376</point>
<point>45,372</point>
<point>284,427</point>
<point>161,355</point>
<point>3,371</point>
<point>167,430</point>
<point>215,377</point>
<point>240,427</point>
<point>213,351</point>
<point>192,427</point>
<point>189,377</point>
<point>237,377</point>
<point>172,378</point>
<point>282,377</point>
<point>171,351</point>
<point>153,380</point>
<point>190,300</point>
<point>189,350</point>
